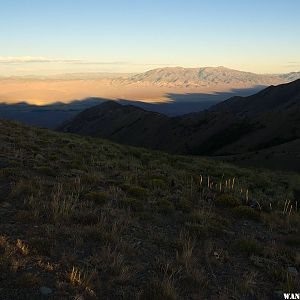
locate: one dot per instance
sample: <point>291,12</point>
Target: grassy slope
<point>86,217</point>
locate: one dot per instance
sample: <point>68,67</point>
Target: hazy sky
<point>60,36</point>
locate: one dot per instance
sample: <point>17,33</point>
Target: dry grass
<point>186,254</point>
<point>162,288</point>
<point>88,217</point>
<point>248,283</point>
<point>23,248</point>
<point>82,278</point>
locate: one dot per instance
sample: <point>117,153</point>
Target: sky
<point>77,36</point>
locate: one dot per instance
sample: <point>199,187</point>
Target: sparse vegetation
<point>246,212</point>
<point>89,218</point>
<point>227,200</point>
<point>98,197</point>
<point>248,246</point>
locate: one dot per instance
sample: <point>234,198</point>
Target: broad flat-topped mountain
<point>208,76</point>
<point>270,118</point>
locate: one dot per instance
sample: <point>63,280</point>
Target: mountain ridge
<point>204,76</point>
<point>274,96</point>
<point>151,86</point>
<point>236,126</point>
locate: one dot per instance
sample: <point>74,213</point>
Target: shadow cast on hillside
<point>180,104</point>
<point>54,114</point>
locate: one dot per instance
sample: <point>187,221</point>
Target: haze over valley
<point>151,86</point>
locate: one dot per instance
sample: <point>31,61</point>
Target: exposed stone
<point>3,164</point>
<point>229,232</point>
<point>292,271</point>
<point>77,172</point>
<point>5,205</point>
<point>45,291</point>
<point>262,262</point>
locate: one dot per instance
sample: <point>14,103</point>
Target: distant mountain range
<point>266,120</point>
<point>173,91</point>
<point>177,76</point>
<point>207,76</point>
<point>290,76</point>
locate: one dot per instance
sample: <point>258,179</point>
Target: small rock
<point>3,164</point>
<point>292,271</point>
<point>77,172</point>
<point>45,290</point>
<point>5,205</point>
<point>229,232</point>
<point>262,262</point>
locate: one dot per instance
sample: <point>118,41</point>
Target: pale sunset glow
<point>65,50</point>
<point>55,37</point>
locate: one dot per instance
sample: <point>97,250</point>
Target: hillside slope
<point>125,124</point>
<point>275,109</point>
<point>83,218</point>
<point>236,126</point>
<point>274,97</point>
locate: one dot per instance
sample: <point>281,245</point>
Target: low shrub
<point>184,205</point>
<point>23,188</point>
<point>248,246</point>
<point>246,212</point>
<point>132,203</point>
<point>160,290</point>
<point>158,183</point>
<point>292,241</point>
<point>44,170</point>
<point>227,200</point>
<point>165,206</point>
<point>99,197</point>
<point>29,280</point>
<point>136,191</point>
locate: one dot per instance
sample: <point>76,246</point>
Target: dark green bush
<point>132,203</point>
<point>99,197</point>
<point>184,205</point>
<point>158,183</point>
<point>136,191</point>
<point>248,246</point>
<point>246,212</point>
<point>165,206</point>
<point>44,170</point>
<point>227,200</point>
